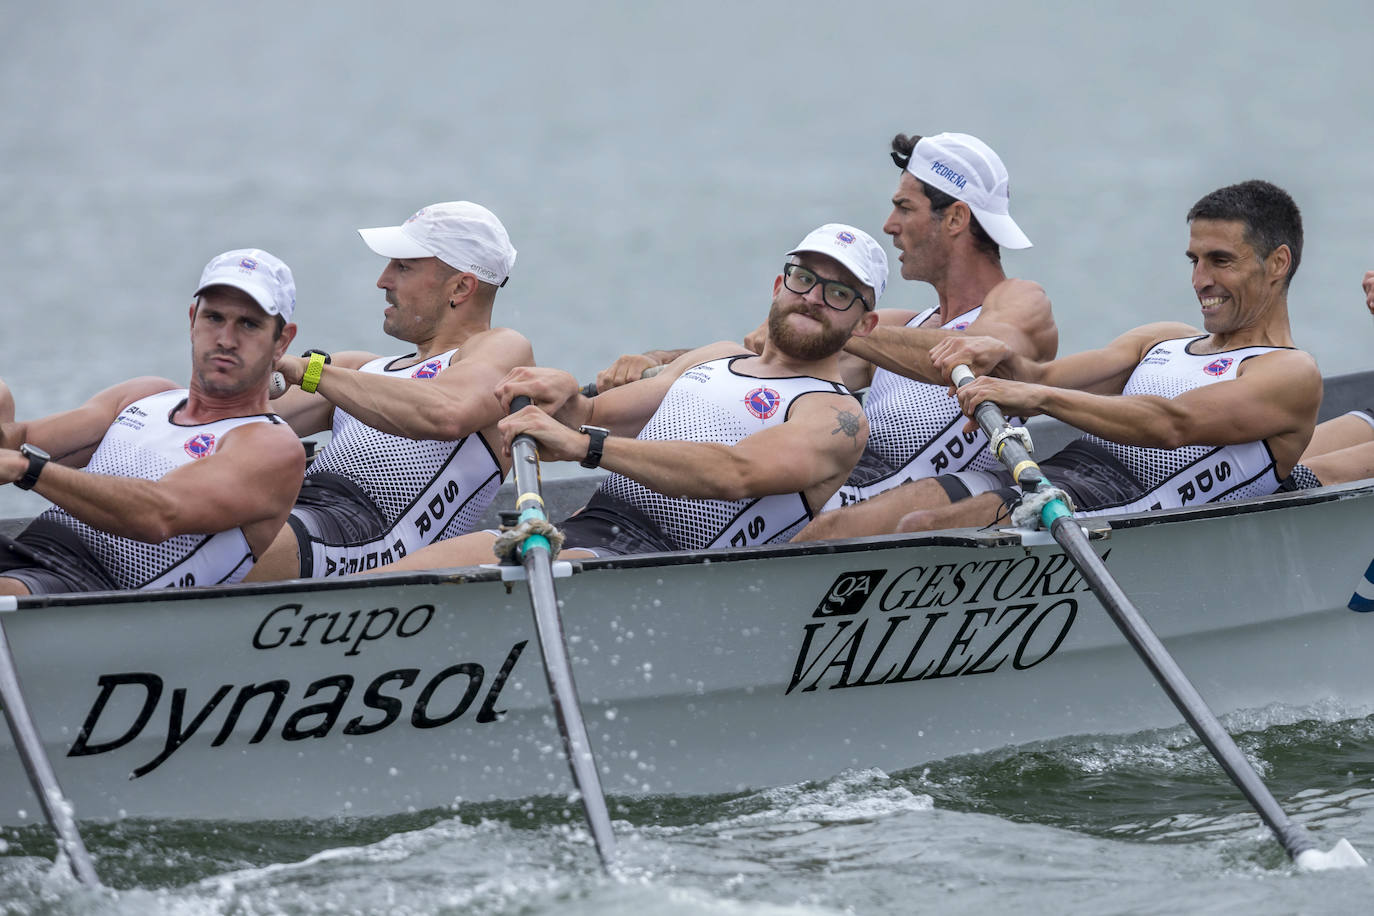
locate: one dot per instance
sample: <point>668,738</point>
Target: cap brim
<point>1003,229</point>
<point>258,294</point>
<point>391,242</point>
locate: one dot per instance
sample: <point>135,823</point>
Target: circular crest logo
<point>200,445</point>
<point>248,264</point>
<point>428,370</point>
<point>845,236</point>
<point>762,402</point>
<point>1218,366</point>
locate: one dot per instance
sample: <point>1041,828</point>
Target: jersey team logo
<point>1218,366</point>
<point>428,370</point>
<point>200,445</point>
<point>762,402</point>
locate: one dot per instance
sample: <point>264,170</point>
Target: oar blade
<point>1342,855</point>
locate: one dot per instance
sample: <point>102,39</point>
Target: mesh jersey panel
<point>712,411</point>
<point>1168,371</point>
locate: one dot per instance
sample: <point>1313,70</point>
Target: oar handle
<point>1006,449</point>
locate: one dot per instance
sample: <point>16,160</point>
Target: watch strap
<point>595,445</point>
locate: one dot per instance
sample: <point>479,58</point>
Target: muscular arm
<point>252,476</point>
<point>458,402</point>
<point>72,435</point>
<point>1016,312</point>
<point>822,440</point>
<point>1101,371</point>
<point>1275,395</point>
<point>623,410</point>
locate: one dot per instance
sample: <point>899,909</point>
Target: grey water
<point>652,163</point>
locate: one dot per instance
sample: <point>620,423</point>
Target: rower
<point>950,220</point>
<point>1174,416</point>
<point>184,486</point>
<point>415,454</point>
<point>723,448</point>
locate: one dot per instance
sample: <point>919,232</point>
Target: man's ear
<point>288,334</point>
<point>777,285</point>
<point>1278,262</point>
<point>958,217</point>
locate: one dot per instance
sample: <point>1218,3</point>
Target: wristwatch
<point>598,436</point>
<point>37,460</point>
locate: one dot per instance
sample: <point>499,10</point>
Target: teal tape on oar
<point>1058,518</point>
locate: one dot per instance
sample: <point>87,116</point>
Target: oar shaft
<point>1170,676</point>
<point>1293,836</point>
<point>41,776</point>
<point>553,647</point>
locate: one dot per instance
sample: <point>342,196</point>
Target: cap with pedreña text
<point>967,169</point>
<point>260,274</point>
<point>464,235</point>
<point>853,248</point>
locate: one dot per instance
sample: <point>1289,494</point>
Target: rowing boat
<point>699,672</point>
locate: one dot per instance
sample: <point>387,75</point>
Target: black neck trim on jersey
<point>1188,347</point>
<point>172,417</point>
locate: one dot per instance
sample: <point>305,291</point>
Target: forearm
<point>124,506</point>
<point>1141,420</point>
<point>402,407</point>
<point>676,468</point>
<point>903,350</point>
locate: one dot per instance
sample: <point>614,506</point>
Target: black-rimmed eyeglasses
<point>839,296</point>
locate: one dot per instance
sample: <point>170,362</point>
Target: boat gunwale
<point>1099,528</point>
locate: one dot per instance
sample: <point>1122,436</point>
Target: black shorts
<point>1091,476</point>
<point>611,527</point>
<point>333,510</point>
<point>49,559</point>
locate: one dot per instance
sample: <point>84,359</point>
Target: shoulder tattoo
<point>846,423</point>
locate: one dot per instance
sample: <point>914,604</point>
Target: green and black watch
<point>38,459</point>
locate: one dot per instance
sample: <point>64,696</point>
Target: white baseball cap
<point>967,169</point>
<point>853,248</point>
<point>464,235</point>
<point>260,274</point>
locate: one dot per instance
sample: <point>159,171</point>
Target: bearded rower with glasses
<point>724,447</point>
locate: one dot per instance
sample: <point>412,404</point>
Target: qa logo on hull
<point>848,593</point>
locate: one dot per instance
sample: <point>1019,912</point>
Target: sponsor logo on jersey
<point>1218,366</point>
<point>200,445</point>
<point>428,370</point>
<point>844,235</point>
<point>762,402</point>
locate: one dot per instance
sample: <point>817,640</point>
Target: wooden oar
<point>536,556</point>
<point>41,776</point>
<point>1055,516</point>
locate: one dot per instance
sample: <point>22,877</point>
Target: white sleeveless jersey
<point>713,403</point>
<point>916,429</point>
<point>426,489</point>
<point>145,442</point>
<point>1192,474</point>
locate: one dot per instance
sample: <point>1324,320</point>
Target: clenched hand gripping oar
<point>41,775</point>
<point>536,556</point>
<point>1056,516</point>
